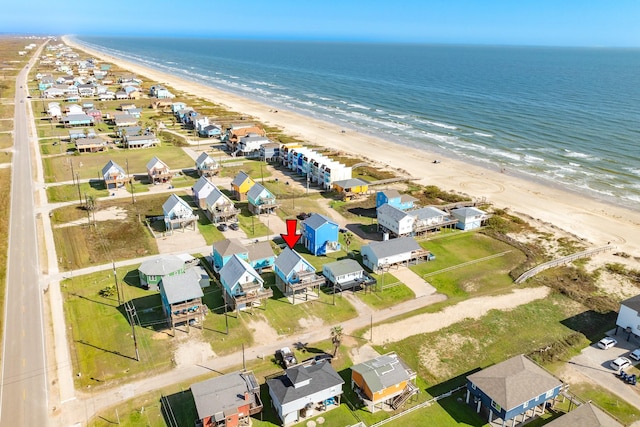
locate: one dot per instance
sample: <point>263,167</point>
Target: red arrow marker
<point>291,238</point>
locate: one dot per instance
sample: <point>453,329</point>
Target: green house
<point>151,272</point>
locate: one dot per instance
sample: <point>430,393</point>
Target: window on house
<point>496,406</point>
<point>473,386</point>
<point>549,394</point>
<point>525,405</point>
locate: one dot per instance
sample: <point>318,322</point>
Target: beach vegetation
<point>5,198</point>
<point>69,192</point>
<point>6,141</point>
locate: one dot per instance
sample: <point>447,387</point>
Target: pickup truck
<point>285,357</point>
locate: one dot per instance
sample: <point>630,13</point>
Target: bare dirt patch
<point>263,333</point>
<point>192,351</point>
<point>310,322</point>
<point>180,240</point>
<point>108,214</point>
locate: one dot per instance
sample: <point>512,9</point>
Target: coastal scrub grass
<point>5,197</point>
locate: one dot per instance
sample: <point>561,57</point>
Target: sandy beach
<point>595,222</point>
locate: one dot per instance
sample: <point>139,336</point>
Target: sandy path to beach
<point>473,308</point>
<point>596,222</point>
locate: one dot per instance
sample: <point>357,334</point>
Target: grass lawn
<point>102,347</point>
<point>254,168</point>
<point>208,230</point>
<point>617,407</point>
<point>69,192</point>
<point>388,297</point>
<point>6,125</point>
<point>89,165</point>
<point>250,223</point>
<point>473,279</point>
<point>286,318</point>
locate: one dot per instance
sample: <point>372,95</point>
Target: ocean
<point>568,117</point>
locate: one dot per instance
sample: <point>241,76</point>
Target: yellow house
<point>241,184</point>
<point>352,187</point>
<point>383,381</point>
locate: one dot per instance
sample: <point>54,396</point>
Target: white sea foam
<point>359,106</point>
<point>486,135</point>
<point>635,171</point>
<point>435,124</point>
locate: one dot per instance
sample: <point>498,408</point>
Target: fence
<point>464,264</point>
<point>419,406</point>
<point>564,260</point>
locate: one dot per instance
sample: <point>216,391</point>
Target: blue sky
<point>514,22</point>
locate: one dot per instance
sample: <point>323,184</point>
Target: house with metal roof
<point>220,208</point>
<point>385,382</point>
<point>124,119</point>
<point>145,140</point>
<point>261,200</point>
<point>585,415</point>
<point>295,276</point>
<point>113,175</point>
<point>90,145</point>
<point>320,235</point>
<point>201,189</point>
<point>395,198</point>
<point>152,271</point>
<point>515,389</point>
<point>81,119</point>
<point>242,285</point>
<point>381,255</point>
<point>304,391</point>
<point>158,171</point>
<point>346,274</point>
<point>223,250</point>
<point>228,400</point>
<point>206,165</point>
<point>351,188</point>
<point>469,218</point>
<point>240,185</point>
<point>414,222</point>
<point>177,213</point>
<point>181,297</point>
<point>628,316</point>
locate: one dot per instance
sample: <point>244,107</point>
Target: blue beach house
<point>242,285</point>
<point>395,199</point>
<point>516,389</point>
<point>320,235</point>
<point>223,250</point>
<point>177,213</point>
<point>261,200</point>
<point>295,275</point>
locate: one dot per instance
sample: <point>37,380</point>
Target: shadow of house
<point>591,324</point>
<point>179,408</point>
<point>148,310</point>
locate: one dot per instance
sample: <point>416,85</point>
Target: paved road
<point>24,379</point>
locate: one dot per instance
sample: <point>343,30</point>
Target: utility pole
<point>86,206</point>
<point>131,312</point>
<point>133,200</point>
<point>78,182</point>
<point>226,318</point>
<point>115,277</point>
<point>244,362</point>
<point>73,177</point>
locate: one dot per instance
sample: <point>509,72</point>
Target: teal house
<point>258,255</point>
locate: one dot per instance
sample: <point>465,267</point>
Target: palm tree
<point>336,338</point>
<point>347,240</point>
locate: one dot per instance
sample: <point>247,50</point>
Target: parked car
<point>285,357</point>
<point>234,226</point>
<point>302,216</point>
<point>319,358</point>
<point>635,354</point>
<point>223,227</point>
<point>606,343</point>
<point>620,363</point>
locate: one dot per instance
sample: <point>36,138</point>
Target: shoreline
<point>593,220</point>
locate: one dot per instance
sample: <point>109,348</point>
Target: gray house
<point>304,391</point>
<point>181,297</point>
<point>346,274</point>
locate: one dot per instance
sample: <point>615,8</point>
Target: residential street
<point>24,386</point>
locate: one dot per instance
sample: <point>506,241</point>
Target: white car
<point>635,354</point>
<point>607,342</point>
<point>620,363</point>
